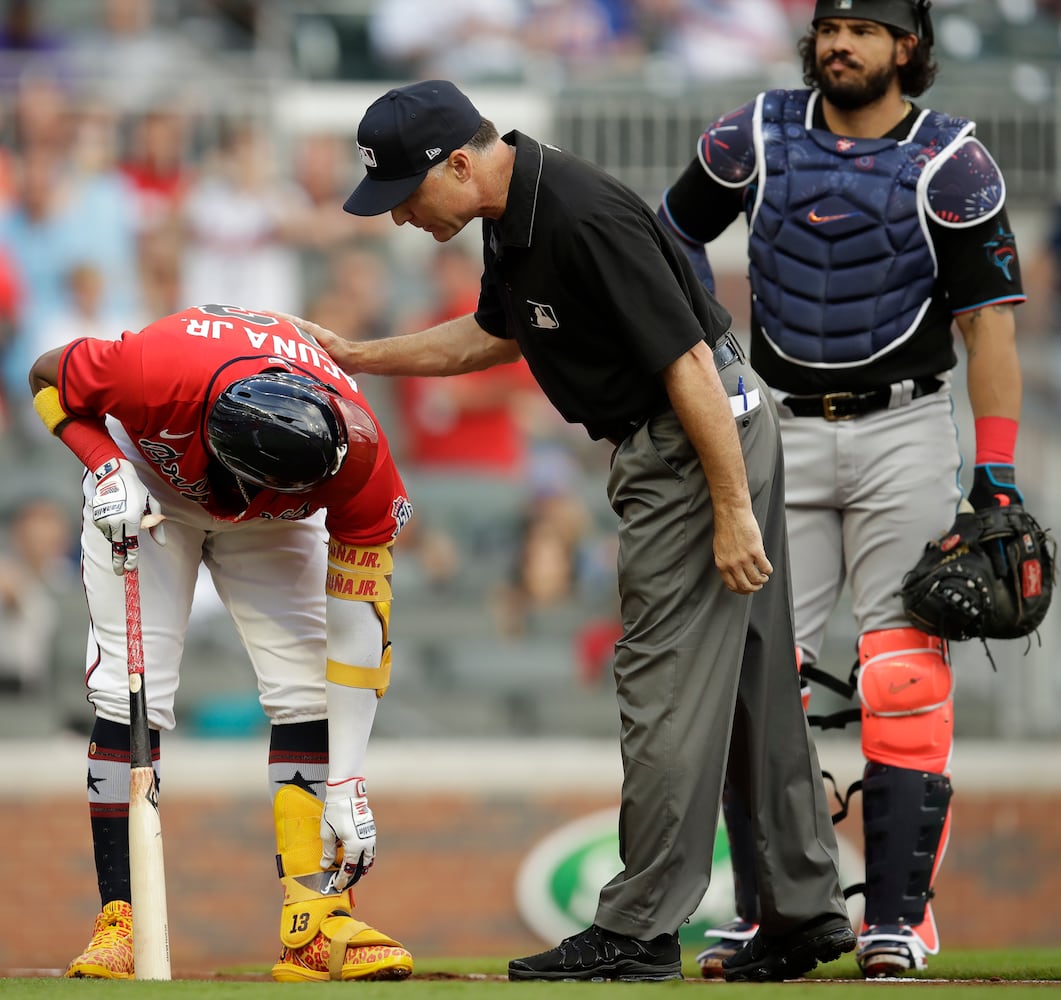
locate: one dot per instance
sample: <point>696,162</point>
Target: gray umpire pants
<point>697,667</point>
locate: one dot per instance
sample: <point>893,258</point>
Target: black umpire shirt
<point>580,272</point>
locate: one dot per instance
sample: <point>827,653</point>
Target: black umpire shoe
<point>772,958</point>
<point>596,954</point>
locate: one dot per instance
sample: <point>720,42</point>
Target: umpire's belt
<point>848,405</point>
<point>725,352</point>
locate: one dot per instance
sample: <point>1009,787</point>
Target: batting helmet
<point>909,16</point>
<point>289,433</point>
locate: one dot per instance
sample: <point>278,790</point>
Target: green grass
<point>991,974</point>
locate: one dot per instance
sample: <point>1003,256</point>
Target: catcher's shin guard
<point>742,839</point>
<point>321,940</point>
<point>741,855</point>
<point>729,938</point>
<point>109,954</point>
<point>905,685</point>
<point>906,819</point>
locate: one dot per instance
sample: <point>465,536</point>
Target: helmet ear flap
<point>362,441</point>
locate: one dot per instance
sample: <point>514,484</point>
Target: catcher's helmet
<point>288,432</point>
<point>910,16</point>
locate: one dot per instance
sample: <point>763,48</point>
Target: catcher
<point>877,229</point>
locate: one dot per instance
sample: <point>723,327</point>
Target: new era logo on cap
<point>403,135</point>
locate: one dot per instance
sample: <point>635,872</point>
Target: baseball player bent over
<point>874,224</point>
<point>237,442</point>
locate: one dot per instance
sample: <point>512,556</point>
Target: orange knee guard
<point>906,689</point>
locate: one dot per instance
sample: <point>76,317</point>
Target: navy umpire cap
<point>910,16</point>
<point>402,136</point>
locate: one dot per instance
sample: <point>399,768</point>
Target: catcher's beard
<point>858,93</point>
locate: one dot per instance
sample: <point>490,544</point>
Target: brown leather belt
<point>849,405</point>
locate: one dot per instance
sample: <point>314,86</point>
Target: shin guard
<point>905,817</point>
<point>741,855</point>
<point>321,939</point>
<point>309,893</point>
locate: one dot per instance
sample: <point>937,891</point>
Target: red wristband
<point>89,440</point>
<point>996,440</point>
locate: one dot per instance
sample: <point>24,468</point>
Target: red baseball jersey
<point>160,384</point>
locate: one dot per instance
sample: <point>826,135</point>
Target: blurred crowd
<point>138,175</point>
<point>124,197</point>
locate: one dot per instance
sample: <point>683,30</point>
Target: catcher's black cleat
<point>596,955</point>
<point>773,958</point>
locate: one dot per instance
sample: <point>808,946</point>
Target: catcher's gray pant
<point>864,496</point>
<point>698,663</point>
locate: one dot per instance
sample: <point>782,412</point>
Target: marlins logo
<point>542,316</point>
<point>1001,251</point>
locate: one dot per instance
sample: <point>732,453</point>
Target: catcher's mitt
<point>990,577</point>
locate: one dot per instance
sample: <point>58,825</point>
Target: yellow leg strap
<point>342,932</point>
<point>347,675</point>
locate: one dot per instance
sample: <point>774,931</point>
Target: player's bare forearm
<point>994,375</point>
<point>699,399</point>
<point>451,348</point>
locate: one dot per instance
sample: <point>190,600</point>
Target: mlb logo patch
<point>542,316</point>
<point>368,157</point>
<point>844,4</point>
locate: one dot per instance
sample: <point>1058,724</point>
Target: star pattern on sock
<point>299,781</point>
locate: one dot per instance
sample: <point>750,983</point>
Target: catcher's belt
<point>848,405</point>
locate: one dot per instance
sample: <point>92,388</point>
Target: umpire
<point>581,279</point>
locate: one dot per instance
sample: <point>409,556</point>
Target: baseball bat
<point>146,868</point>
